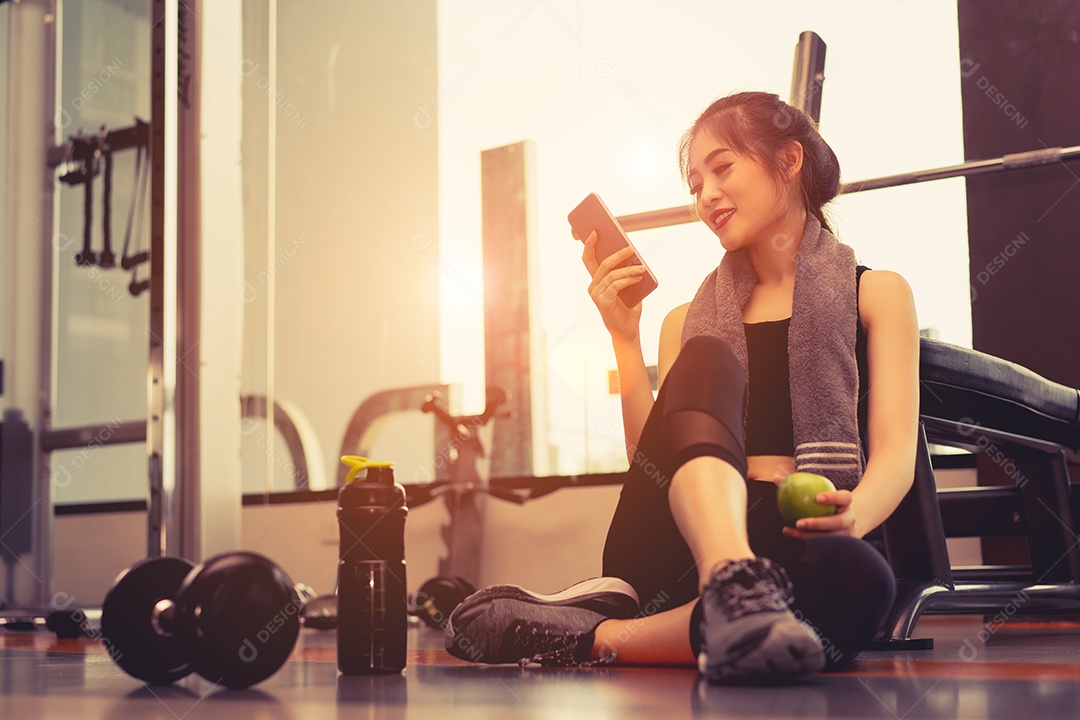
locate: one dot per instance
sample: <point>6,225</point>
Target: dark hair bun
<point>761,124</point>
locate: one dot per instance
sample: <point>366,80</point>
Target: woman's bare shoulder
<point>881,291</point>
<point>675,318</point>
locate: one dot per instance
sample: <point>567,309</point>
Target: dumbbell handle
<point>163,617</point>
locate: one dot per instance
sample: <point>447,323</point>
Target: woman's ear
<point>791,159</point>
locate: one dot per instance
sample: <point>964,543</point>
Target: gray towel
<point>822,368</point>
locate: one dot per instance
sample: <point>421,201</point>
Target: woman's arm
<point>887,311</point>
<point>892,336</point>
<point>608,280</point>
<point>635,388</point>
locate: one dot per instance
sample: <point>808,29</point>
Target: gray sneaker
<point>747,630</point>
<point>509,624</point>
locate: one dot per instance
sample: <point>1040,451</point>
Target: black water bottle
<point>372,611</point>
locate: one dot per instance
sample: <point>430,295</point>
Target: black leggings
<point>842,586</point>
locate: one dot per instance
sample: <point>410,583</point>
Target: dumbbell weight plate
<point>438,597</point>
<point>466,587</point>
<point>128,628</point>
<point>239,616</point>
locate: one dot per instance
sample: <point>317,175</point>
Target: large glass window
<point>334,182</point>
<point>338,181</point>
<point>101,331</point>
<point>359,212</point>
<point>606,88</point>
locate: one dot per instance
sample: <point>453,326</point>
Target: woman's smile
<point>720,217</point>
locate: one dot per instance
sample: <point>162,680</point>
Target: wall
<point>545,544</point>
<point>91,550</point>
<point>1020,93</point>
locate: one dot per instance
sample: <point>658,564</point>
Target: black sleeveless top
<point>768,415</point>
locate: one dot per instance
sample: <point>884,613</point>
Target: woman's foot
<point>507,623</point>
<point>747,630</point>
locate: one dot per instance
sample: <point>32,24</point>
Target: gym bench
<point>1030,428</point>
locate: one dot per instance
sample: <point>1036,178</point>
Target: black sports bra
<point>768,414</point>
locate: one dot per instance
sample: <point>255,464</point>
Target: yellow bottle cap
<point>357,463</point>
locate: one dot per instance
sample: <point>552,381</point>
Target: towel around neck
<point>823,374</point>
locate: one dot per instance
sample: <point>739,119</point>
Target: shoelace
<point>553,649</point>
<point>749,586</point>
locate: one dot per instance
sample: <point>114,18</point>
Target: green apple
<point>797,496</point>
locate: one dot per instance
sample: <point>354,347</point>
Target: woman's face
<point>735,196</point>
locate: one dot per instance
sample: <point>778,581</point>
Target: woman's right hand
<point>607,280</point>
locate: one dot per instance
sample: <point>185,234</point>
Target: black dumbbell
<point>438,597</point>
<point>234,619</point>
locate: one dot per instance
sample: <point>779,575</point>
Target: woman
<point>781,355</point>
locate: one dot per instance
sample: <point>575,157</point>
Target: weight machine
<point>82,158</point>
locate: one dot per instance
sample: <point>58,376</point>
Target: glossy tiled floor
<point>1029,670</point>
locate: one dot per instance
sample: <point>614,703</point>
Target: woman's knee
<point>853,567</point>
<point>843,587</point>
<point>709,353</point>
<point>706,373</point>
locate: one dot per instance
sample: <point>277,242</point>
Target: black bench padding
<point>961,384</point>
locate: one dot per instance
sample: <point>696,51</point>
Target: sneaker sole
<point>609,597</point>
<point>777,648</point>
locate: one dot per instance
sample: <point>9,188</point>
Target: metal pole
<point>658,218</point>
<point>667,217</point>
<point>162,512</point>
<point>808,74</point>
<point>270,349</point>
<point>115,433</point>
<point>510,326</point>
<point>188,293</point>
<point>27,278</point>
<point>1012,161</point>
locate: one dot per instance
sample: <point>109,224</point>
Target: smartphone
<point>592,214</point>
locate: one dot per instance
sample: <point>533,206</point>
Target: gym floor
<point>978,669</point>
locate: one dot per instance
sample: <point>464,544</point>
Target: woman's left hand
<point>842,523</point>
